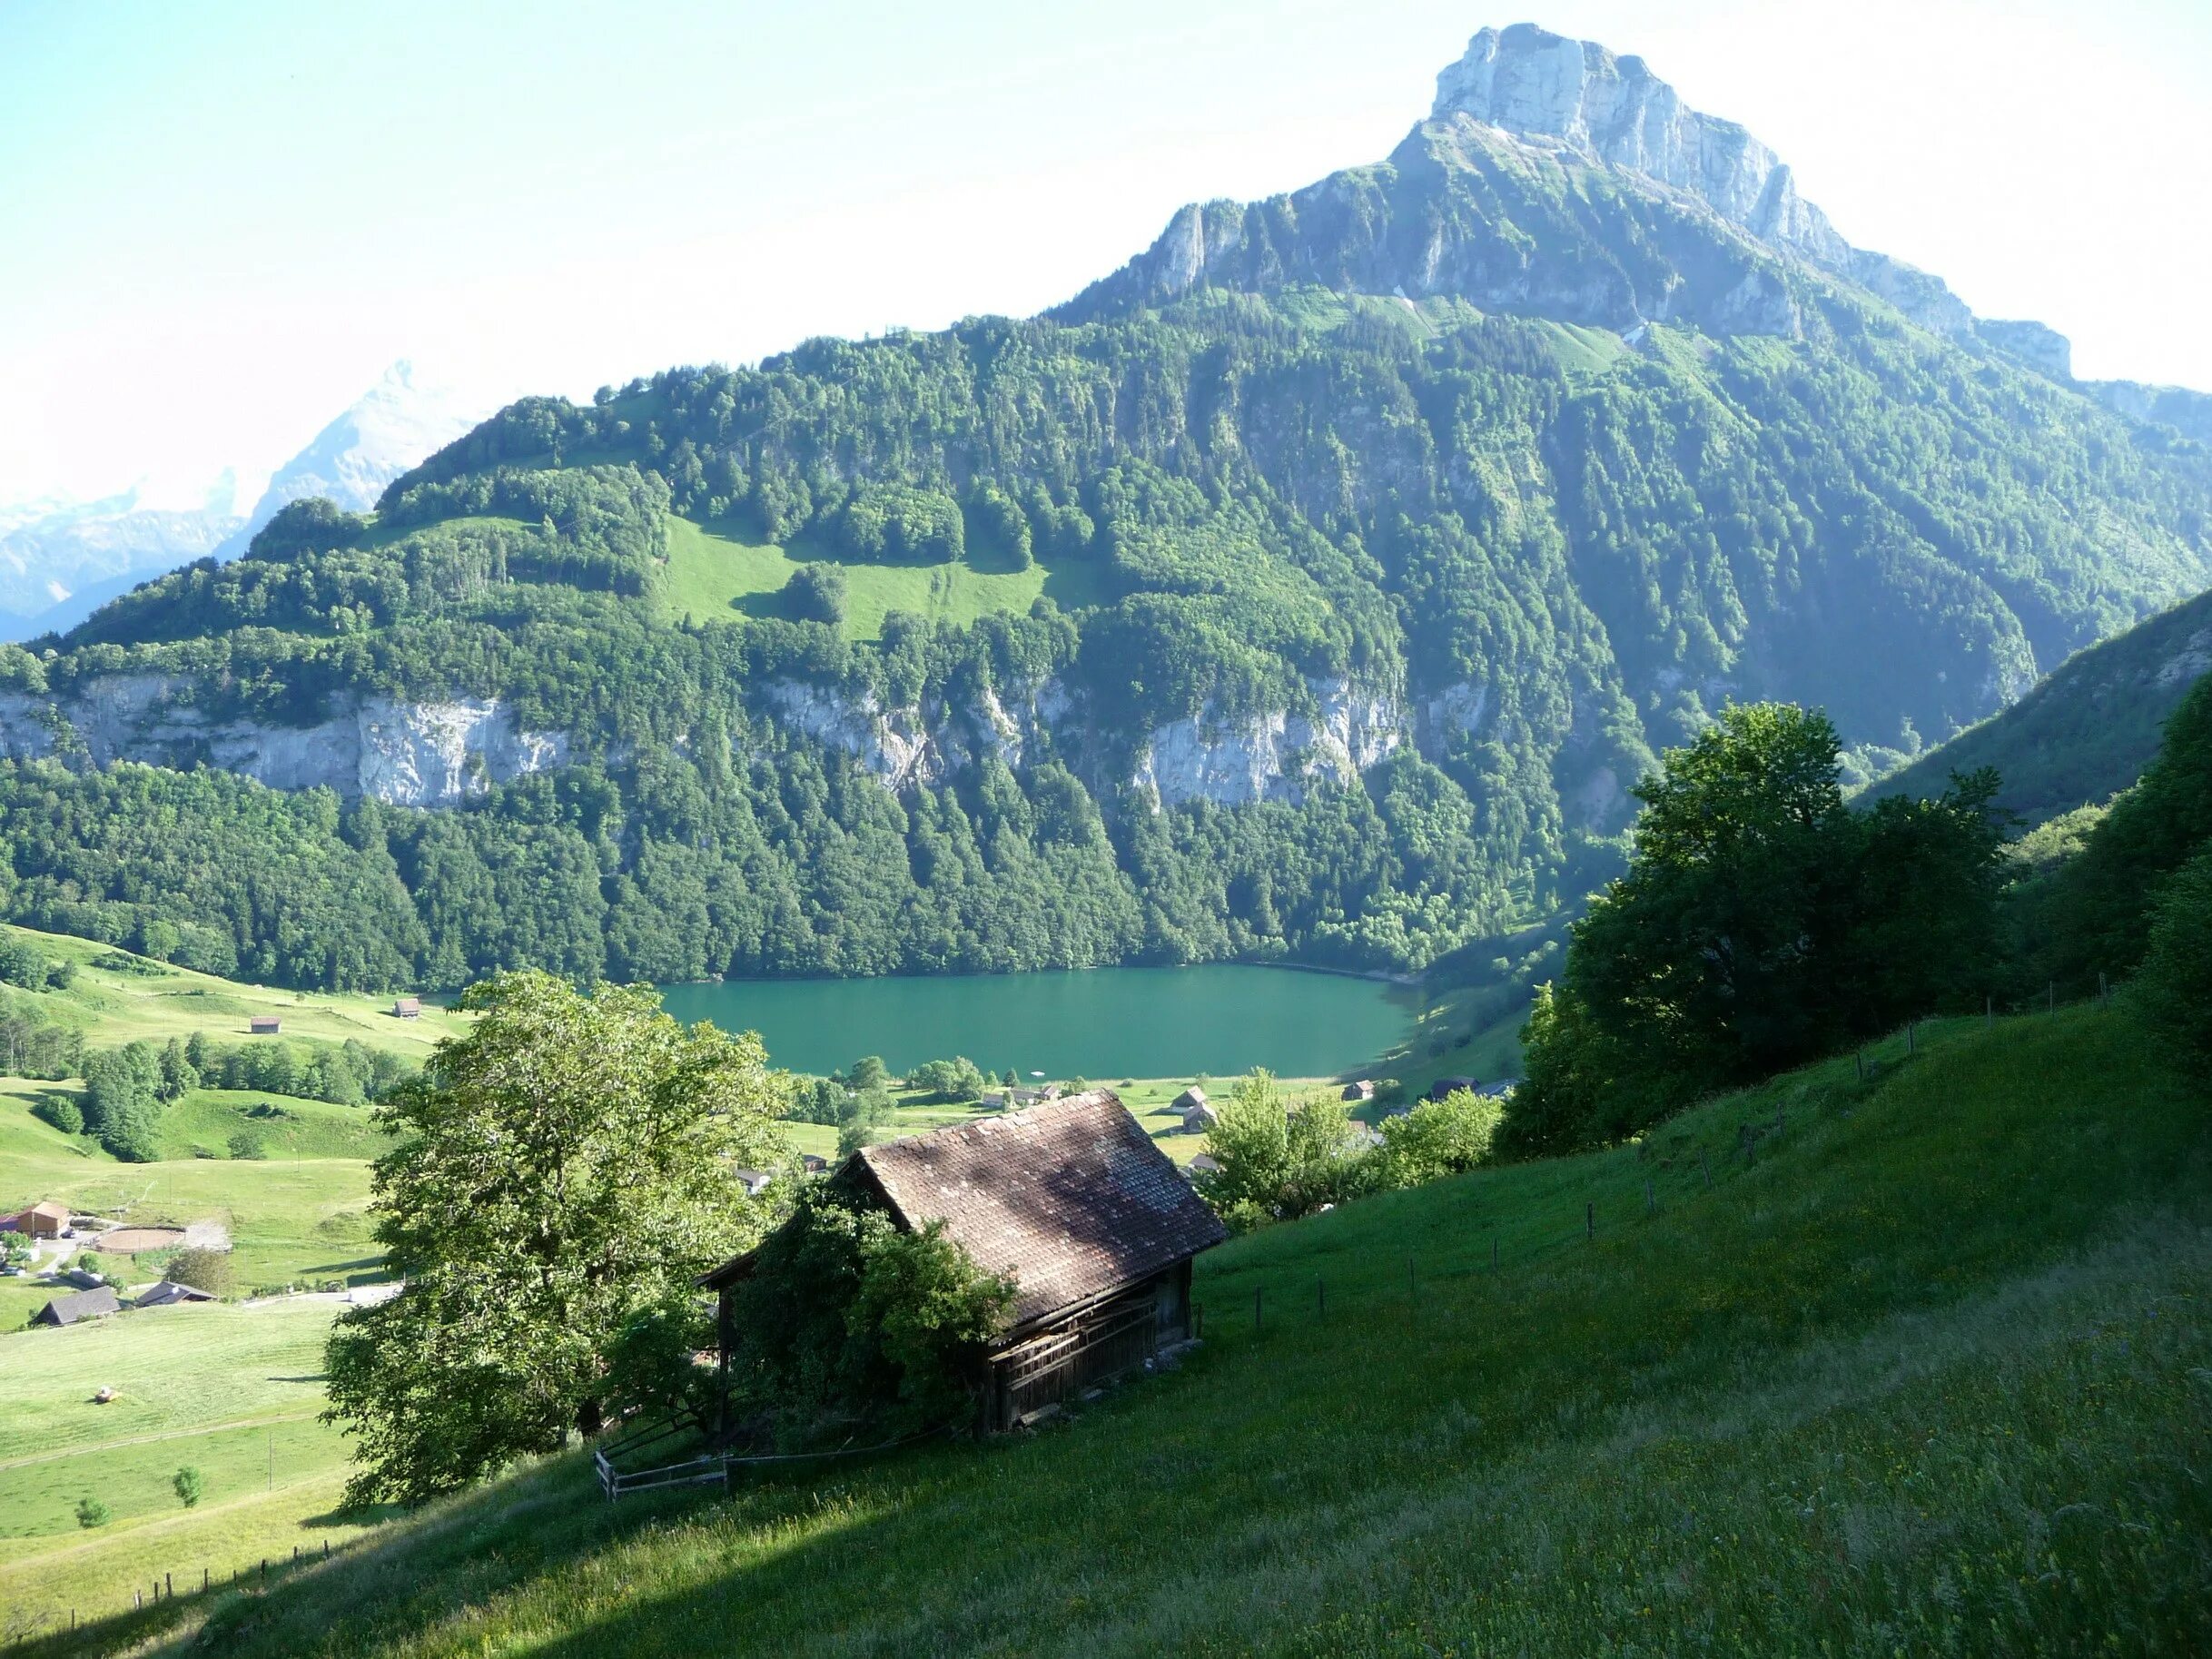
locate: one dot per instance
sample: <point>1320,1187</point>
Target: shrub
<point>846,1317</point>
<point>61,1112</point>
<point>22,963</point>
<point>91,1512</point>
<point>247,1145</point>
<point>2174,986</point>
<point>816,593</point>
<point>187,1484</point>
<point>1438,1138</point>
<point>202,1270</point>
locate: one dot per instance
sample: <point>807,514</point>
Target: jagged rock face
<point>1270,757</point>
<point>1487,201</point>
<point>402,753</point>
<point>1613,110</point>
<point>912,747</point>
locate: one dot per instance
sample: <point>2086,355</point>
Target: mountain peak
<point>1577,96</point>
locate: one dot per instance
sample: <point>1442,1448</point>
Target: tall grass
<point>1922,1370</point>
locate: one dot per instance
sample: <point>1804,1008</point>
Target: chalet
<point>1361,1090</point>
<point>1189,1100</point>
<point>1071,1201</point>
<point>82,1279</point>
<point>993,1099</point>
<point>81,1305</point>
<point>168,1293</point>
<point>755,1181</point>
<point>407,1008</point>
<point>1445,1086</point>
<point>1199,1119</point>
<point>264,1025</point>
<point>43,1220</point>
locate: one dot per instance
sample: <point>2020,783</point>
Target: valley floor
<point>1917,1365</point>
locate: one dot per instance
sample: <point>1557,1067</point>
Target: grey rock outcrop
<point>1271,757</point>
<point>2035,344</point>
<point>437,753</point>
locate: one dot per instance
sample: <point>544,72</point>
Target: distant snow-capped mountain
<point>60,561</point>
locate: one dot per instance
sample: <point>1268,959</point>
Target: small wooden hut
<point>1072,1201</point>
<point>407,1008</point>
<point>264,1025</point>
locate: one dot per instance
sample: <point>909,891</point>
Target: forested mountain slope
<point>1316,585</point>
<point>2086,731</point>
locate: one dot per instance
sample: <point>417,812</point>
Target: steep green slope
<point>2088,729</point>
<point>1920,1370</point>
<point>1316,586</point>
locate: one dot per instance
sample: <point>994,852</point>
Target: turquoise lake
<point>1102,1024</point>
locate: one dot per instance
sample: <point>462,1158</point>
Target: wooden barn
<point>264,1025</point>
<point>1072,1201</point>
<point>43,1220</point>
<point>407,1008</point>
<point>84,1305</point>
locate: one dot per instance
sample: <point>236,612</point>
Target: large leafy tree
<point>1761,922</point>
<point>565,1171</point>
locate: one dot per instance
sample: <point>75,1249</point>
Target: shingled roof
<point>84,1305</point>
<point>1070,1199</point>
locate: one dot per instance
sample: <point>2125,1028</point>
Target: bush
<point>1438,1138</point>
<point>846,1317</point>
<point>246,1146</point>
<point>188,1486</point>
<point>61,1112</point>
<point>2174,986</point>
<point>22,963</point>
<point>816,593</point>
<point>202,1270</point>
<point>91,1512</point>
<point>1278,1161</point>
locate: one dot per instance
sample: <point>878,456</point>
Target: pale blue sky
<point>223,220</point>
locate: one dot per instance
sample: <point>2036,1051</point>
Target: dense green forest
<point>1531,553</point>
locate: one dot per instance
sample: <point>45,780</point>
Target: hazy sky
<point>223,220</point>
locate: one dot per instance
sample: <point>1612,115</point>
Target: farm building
<point>80,1304</point>
<point>264,1025</point>
<point>43,1220</point>
<point>1204,1165</point>
<point>1361,1090</point>
<point>1445,1086</point>
<point>407,1008</point>
<point>168,1293</point>
<point>1199,1119</point>
<point>1072,1201</point>
<point>1189,1100</point>
<point>755,1181</point>
<point>814,1163</point>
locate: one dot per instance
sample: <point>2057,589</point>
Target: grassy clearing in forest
<point>712,575</point>
<point>1924,1368</point>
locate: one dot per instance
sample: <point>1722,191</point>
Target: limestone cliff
<point>437,753</point>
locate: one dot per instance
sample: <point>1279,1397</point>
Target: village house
<point>43,1220</point>
<point>1361,1090</point>
<point>1072,1202</point>
<point>1200,1118</point>
<point>1188,1101</point>
<point>80,1304</point>
<point>168,1293</point>
<point>1445,1086</point>
<point>407,1008</point>
<point>1205,1163</point>
<point>264,1025</point>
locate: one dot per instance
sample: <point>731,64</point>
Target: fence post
<point>1910,1047</point>
<point>1589,1220</point>
<point>1651,1200</point>
<point>1255,1308</point>
<point>204,1578</point>
<point>169,1586</point>
<point>1321,1296</point>
<point>1988,1011</point>
<point>1705,1164</point>
<point>2050,997</point>
<point>1493,1250</point>
<point>1858,1057</point>
<point>1409,1290</point>
<point>2104,995</point>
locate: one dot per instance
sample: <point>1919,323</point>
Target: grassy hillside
<point>232,1392</point>
<point>155,1001</point>
<point>1919,1370</point>
<point>2088,729</point>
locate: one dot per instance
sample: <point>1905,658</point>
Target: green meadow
<point>1909,1363</point>
<point>711,574</point>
